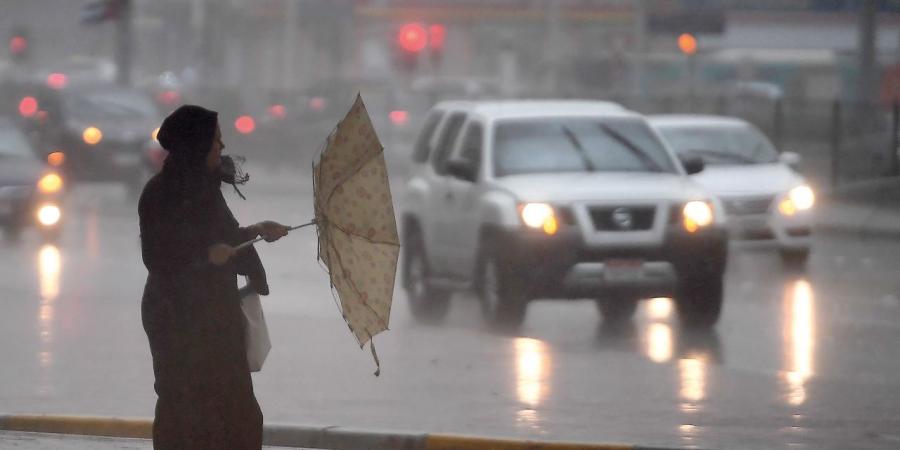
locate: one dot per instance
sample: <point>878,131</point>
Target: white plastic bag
<point>255,330</point>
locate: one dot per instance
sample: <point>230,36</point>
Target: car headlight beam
<point>800,198</point>
<point>50,183</point>
<point>49,215</point>
<point>696,215</point>
<point>539,216</point>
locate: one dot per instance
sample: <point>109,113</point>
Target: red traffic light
<point>18,45</point>
<point>437,35</point>
<point>412,37</point>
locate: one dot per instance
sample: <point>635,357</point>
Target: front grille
<point>744,206</point>
<point>622,218</point>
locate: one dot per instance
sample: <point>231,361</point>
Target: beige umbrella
<point>354,214</point>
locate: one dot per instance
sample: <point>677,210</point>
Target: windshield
<point>721,145</point>
<point>110,105</point>
<point>577,145</point>
<point>13,144</point>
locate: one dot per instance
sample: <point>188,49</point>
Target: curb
<point>331,437</point>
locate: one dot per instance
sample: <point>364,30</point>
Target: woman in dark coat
<point>191,308</point>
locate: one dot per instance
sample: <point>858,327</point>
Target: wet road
<point>797,361</point>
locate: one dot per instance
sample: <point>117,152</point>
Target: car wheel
<point>794,259</point>
<point>617,309</point>
<point>426,303</point>
<point>503,302</point>
<point>699,299</point>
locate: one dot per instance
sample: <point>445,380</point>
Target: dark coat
<point>191,314</point>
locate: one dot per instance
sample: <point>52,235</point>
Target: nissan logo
<point>623,218</point>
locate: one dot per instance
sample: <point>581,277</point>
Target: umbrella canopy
<point>354,213</point>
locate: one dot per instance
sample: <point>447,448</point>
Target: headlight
<point>539,216</point>
<point>50,183</point>
<point>696,214</point>
<point>49,214</point>
<point>800,198</point>
<point>92,135</point>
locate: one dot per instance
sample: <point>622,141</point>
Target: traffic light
<point>412,37</point>
<point>687,43</point>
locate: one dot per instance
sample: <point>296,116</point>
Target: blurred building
<point>534,47</point>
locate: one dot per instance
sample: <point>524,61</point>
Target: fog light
<point>49,215</point>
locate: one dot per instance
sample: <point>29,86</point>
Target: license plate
<point>623,269</point>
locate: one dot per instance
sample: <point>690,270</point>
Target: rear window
<point>577,145</point>
<point>422,147</point>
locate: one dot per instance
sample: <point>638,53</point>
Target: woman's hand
<point>219,254</point>
<point>271,231</point>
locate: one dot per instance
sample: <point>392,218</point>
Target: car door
<point>460,202</point>
<point>437,224</point>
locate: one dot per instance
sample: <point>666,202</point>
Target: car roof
<point>516,109</point>
<point>694,120</point>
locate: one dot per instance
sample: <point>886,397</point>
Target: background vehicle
<point>101,129</point>
<point>556,199</point>
<point>29,190</point>
<point>765,199</point>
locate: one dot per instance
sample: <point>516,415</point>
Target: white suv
<point>556,199</point>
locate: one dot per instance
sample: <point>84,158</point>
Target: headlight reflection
<point>799,338</point>
<point>531,377</point>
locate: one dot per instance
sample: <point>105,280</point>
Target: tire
<point>426,303</point>
<point>501,295</point>
<point>793,259</point>
<point>617,310</point>
<point>699,299</point>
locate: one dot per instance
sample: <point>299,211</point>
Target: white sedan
<point>765,199</point>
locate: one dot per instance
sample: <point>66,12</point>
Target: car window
<point>578,145</point>
<point>721,145</point>
<point>13,144</point>
<point>110,104</point>
<point>472,143</point>
<point>446,141</point>
<point>422,147</point>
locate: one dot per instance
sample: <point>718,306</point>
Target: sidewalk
<point>17,440</point>
<point>867,209</point>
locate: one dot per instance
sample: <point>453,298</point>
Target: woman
<point>191,309</point>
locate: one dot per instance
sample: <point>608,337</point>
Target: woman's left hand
<point>271,231</point>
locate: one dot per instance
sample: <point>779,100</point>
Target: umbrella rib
<point>371,241</point>
<point>352,283</point>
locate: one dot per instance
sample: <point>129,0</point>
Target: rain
<point>656,223</point>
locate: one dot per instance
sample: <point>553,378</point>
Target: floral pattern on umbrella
<point>358,239</point>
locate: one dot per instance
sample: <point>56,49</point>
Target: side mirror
<point>790,158</point>
<point>693,164</point>
<point>462,169</point>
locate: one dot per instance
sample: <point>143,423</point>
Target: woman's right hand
<point>219,254</point>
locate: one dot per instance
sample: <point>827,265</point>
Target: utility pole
<point>867,31</point>
<point>124,47</point>
<point>640,47</point>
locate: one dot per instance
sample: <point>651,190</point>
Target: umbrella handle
<point>244,245</point>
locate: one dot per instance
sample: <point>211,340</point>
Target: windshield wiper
<point>579,148</point>
<point>634,149</point>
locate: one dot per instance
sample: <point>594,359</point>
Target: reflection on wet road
<point>797,361</point>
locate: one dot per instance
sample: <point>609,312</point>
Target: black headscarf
<point>187,134</point>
